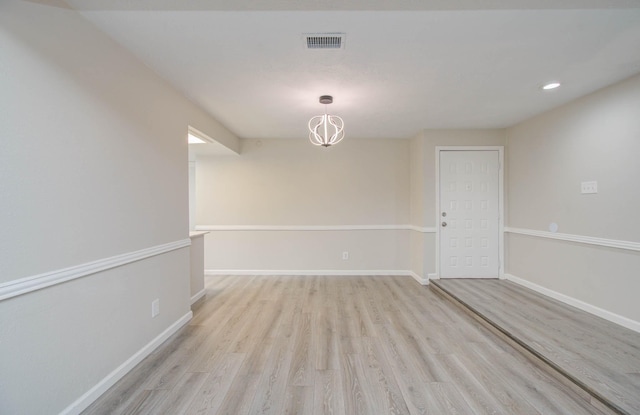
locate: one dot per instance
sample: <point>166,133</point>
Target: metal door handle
<point>444,224</point>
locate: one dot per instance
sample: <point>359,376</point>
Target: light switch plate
<point>589,187</point>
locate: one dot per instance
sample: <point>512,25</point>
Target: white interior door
<point>469,215</point>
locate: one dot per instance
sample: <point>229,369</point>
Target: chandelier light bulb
<point>326,130</point>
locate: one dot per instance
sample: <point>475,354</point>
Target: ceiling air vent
<point>324,40</point>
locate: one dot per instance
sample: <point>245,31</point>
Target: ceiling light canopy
<point>326,130</point>
<point>551,85</point>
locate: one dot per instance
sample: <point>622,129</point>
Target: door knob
<point>444,224</point>
<point>444,214</point>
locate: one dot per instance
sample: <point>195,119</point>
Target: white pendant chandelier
<point>326,130</point>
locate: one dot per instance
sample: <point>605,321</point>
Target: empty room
<point>319,207</point>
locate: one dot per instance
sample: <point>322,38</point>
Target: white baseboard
<point>607,315</point>
<point>421,281</point>
<point>197,296</point>
<point>433,276</point>
<point>101,387</point>
<point>341,272</point>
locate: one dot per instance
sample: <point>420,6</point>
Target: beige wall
<point>418,176</point>
<point>305,252</point>
<point>93,164</point>
<point>594,138</point>
<point>293,183</point>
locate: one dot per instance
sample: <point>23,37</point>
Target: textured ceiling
<point>407,65</point>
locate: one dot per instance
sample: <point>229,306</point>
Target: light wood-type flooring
<point>334,345</point>
<point>600,356</point>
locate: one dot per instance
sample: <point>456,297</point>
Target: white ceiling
<point>408,65</point>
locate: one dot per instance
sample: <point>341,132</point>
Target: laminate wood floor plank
<point>380,369</point>
<point>474,392</point>
<point>596,352</point>
<point>409,379</point>
<point>298,400</point>
<point>496,384</point>
<point>291,309</point>
<point>312,296</point>
<point>535,386</point>
<point>225,292</point>
<point>262,322</point>
<point>416,352</point>
<point>327,394</point>
<point>222,339</point>
<point>212,392</point>
<point>357,397</point>
<point>364,323</point>
<point>270,393</point>
<point>146,402</point>
<point>445,398</point>
<point>560,321</point>
<point>239,396</point>
<point>173,367</point>
<point>128,393</point>
<point>226,326</point>
<point>178,399</point>
<point>324,337</point>
<point>124,394</point>
<point>330,345</point>
<point>373,302</point>
<point>221,333</point>
<point>302,364</point>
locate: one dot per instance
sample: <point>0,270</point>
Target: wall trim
<point>421,281</point>
<point>332,272</point>
<point>198,296</point>
<point>589,240</point>
<point>101,387</point>
<point>26,285</point>
<point>589,308</point>
<point>315,228</point>
<point>422,229</point>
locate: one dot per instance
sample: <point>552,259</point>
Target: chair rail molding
<point>589,240</point>
<point>37,282</point>
<point>315,228</point>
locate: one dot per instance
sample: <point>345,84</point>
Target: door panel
<point>469,214</point>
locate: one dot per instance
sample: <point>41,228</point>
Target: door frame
<point>500,150</point>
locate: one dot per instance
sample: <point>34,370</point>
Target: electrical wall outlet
<point>155,307</point>
<point>345,255</point>
<point>589,187</point>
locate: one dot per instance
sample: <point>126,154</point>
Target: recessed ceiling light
<point>195,140</point>
<point>551,85</point>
